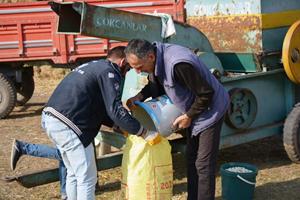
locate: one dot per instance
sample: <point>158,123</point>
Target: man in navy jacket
<point>80,104</point>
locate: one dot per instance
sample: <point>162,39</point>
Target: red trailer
<point>28,36</point>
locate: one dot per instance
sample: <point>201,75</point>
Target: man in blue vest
<point>176,71</point>
<point>84,100</point>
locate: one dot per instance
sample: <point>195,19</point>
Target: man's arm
<point>190,78</point>
<point>109,83</point>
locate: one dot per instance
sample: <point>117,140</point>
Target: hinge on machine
<point>21,52</point>
<point>54,51</point>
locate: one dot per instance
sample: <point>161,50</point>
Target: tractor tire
<point>7,96</point>
<point>291,134</point>
<point>25,89</point>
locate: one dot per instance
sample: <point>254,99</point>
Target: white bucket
<point>157,114</point>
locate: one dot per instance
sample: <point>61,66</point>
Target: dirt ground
<point>278,178</point>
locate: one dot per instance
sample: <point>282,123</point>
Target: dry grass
<point>47,72</point>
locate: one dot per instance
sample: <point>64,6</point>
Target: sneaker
<point>15,154</point>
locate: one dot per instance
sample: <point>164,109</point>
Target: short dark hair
<point>117,52</point>
<point>139,47</point>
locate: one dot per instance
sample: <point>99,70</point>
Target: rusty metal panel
<point>240,34</point>
<point>243,26</point>
<point>222,7</point>
<point>225,24</point>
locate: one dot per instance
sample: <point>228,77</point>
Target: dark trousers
<point>201,157</point>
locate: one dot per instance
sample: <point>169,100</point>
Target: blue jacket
<point>88,97</point>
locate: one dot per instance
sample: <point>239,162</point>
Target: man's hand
<point>130,101</point>
<point>183,121</point>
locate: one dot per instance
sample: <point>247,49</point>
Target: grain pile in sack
<point>147,171</point>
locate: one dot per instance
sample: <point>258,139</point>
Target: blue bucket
<point>237,184</point>
<point>157,114</point>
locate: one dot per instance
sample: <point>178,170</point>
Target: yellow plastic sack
<point>146,170</point>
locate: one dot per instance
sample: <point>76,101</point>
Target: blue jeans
<point>44,151</point>
<point>79,161</point>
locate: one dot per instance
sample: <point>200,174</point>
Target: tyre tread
<point>6,82</point>
<point>291,133</point>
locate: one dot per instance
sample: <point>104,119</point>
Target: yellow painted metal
<point>279,19</point>
<point>291,53</point>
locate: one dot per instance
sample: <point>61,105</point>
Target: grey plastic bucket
<point>157,114</point>
<point>237,185</point>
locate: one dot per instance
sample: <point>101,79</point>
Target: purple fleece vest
<point>167,56</point>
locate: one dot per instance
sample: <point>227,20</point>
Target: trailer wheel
<point>291,134</point>
<point>7,96</point>
<point>25,89</point>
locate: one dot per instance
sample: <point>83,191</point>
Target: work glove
<point>152,137</point>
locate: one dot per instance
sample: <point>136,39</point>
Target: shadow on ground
<point>286,190</point>
<point>28,110</point>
